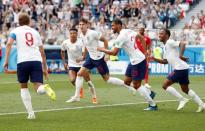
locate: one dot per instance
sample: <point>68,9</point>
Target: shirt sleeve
<point>118,43</point>
<point>174,43</point>
<point>63,47</point>
<point>97,35</point>
<point>12,35</point>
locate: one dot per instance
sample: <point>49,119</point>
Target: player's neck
<point>73,41</point>
<point>84,32</point>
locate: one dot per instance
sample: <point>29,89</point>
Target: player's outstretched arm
<point>45,67</point>
<point>109,52</point>
<point>105,41</point>
<point>162,61</point>
<point>8,50</point>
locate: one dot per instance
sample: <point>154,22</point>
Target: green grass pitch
<point>118,109</point>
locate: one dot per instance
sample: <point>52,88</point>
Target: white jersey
<point>171,53</point>
<point>74,51</point>
<point>28,41</point>
<point>126,40</point>
<point>91,41</point>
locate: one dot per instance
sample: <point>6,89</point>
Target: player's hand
<point>78,60</point>
<point>66,66</point>
<point>186,59</point>
<point>100,48</point>
<point>107,57</point>
<point>45,73</point>
<point>6,65</point>
<point>150,58</point>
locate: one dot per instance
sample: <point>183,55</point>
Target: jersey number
<point>29,39</point>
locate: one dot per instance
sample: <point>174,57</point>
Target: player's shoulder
<point>67,41</point>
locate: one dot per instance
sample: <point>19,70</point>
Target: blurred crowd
<point>53,18</point>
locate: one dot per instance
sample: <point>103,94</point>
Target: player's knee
<point>127,83</point>
<point>164,87</point>
<point>185,90</point>
<point>73,82</point>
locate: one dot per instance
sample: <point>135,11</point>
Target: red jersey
<point>138,44</point>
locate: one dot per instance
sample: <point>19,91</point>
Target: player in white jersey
<point>137,68</point>
<point>76,57</point>
<point>96,59</point>
<point>30,58</point>
<point>181,69</point>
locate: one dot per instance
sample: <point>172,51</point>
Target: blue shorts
<point>75,69</point>
<point>137,72</point>
<point>32,69</point>
<point>100,64</point>
<point>179,76</point>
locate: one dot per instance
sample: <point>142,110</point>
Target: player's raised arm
<point>8,50</point>
<point>45,67</point>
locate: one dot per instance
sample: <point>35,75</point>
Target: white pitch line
<point>84,107</point>
<point>15,82</point>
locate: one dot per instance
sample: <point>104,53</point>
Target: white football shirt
<point>126,41</point>
<point>28,41</point>
<point>171,53</point>
<point>74,51</point>
<point>91,41</point>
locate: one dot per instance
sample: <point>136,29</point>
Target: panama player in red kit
<point>146,50</point>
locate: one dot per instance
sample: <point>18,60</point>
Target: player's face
<point>83,26</point>
<point>162,36</point>
<point>115,28</point>
<point>73,35</point>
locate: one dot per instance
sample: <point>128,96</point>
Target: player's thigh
<point>36,75</point>
<point>83,71</point>
<point>102,68</point>
<point>23,72</point>
<point>138,71</point>
<point>72,75</point>
<point>127,80</point>
<point>87,76</point>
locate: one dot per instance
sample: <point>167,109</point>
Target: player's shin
<point>142,91</point>
<point>26,98</point>
<point>78,85</point>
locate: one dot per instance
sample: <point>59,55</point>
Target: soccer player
<point>181,69</point>
<point>96,58</point>
<point>30,59</point>
<point>76,56</point>
<point>146,51</point>
<point>136,69</point>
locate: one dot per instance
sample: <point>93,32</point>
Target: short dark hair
<point>167,31</point>
<point>73,29</point>
<point>83,20</point>
<point>117,21</point>
<point>24,19</point>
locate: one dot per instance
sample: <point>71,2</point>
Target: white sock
<point>175,93</point>
<point>92,89</point>
<point>142,91</point>
<point>41,90</point>
<point>119,82</point>
<point>78,85</point>
<point>26,98</point>
<point>195,97</point>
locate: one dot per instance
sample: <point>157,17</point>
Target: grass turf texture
<point>113,118</point>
